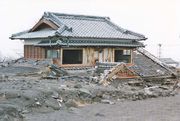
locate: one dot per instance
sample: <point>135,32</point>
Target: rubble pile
<point>53,72</point>
<point>23,90</point>
<point>118,71</point>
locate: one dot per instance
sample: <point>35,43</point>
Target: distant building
<point>170,62</point>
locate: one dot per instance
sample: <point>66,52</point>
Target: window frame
<point>81,49</point>
<point>58,53</point>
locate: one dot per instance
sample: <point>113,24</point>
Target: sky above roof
<point>159,20</point>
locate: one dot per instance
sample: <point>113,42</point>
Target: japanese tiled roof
<point>80,26</point>
<point>146,67</point>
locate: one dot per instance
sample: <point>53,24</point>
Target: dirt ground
<point>157,109</point>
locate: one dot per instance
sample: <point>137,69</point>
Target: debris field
<point>32,86</point>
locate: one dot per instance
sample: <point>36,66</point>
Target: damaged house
<point>81,41</point>
<point>78,40</point>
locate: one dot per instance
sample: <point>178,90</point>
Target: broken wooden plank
<point>119,71</point>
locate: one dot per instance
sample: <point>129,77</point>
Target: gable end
<point>42,24</point>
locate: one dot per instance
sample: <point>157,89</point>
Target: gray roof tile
<point>81,26</point>
<point>146,67</point>
<point>37,34</point>
<point>88,43</point>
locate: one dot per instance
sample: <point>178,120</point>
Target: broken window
<point>72,57</point>
<point>52,54</point>
<point>123,56</point>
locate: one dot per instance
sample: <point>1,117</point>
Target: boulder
<point>53,103</point>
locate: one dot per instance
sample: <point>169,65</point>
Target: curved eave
<point>13,38</point>
<point>53,33</point>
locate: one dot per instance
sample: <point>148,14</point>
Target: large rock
<point>78,86</point>
<point>53,103</point>
<point>9,94</point>
<point>85,94</point>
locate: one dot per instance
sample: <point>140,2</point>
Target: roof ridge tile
<point>79,16</point>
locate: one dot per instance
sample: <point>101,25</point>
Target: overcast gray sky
<point>158,20</point>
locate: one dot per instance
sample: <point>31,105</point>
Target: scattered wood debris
<point>119,71</point>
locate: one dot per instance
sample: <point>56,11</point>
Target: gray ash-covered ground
<point>26,96</point>
<point>156,109</point>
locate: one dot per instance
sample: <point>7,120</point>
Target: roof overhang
<point>80,43</point>
<point>63,27</point>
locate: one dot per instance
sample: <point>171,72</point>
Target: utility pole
<point>159,50</point>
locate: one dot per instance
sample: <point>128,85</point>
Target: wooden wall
<point>31,52</point>
<point>90,55</point>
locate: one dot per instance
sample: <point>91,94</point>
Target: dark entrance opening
<point>72,57</point>
<point>123,56</point>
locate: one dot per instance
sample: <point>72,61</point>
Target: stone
<point>53,103</point>
<point>164,87</point>
<point>147,91</point>
<point>84,91</point>
<point>55,95</point>
<point>78,86</point>
<point>105,96</point>
<point>99,114</point>
<point>12,94</point>
<point>25,111</point>
<point>107,102</point>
